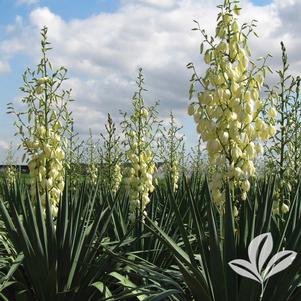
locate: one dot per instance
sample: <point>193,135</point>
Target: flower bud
<point>213,146</point>
<point>236,10</point>
<point>272,113</point>
<point>235,26</point>
<point>207,57</point>
<point>236,153</point>
<point>144,113</point>
<point>285,208</point>
<point>245,185</point>
<point>191,109</point>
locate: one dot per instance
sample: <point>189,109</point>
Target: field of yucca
<point>134,215</point>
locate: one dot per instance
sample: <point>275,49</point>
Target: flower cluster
<point>42,126</point>
<point>46,165</point>
<point>11,170</point>
<point>229,108</point>
<point>10,175</point>
<point>41,84</point>
<point>117,176</point>
<point>140,174</point>
<point>175,174</point>
<point>92,173</point>
<point>139,134</point>
<point>173,170</point>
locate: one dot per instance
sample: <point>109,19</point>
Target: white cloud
<point>43,16</point>
<point>12,27</point>
<point>103,52</point>
<point>285,3</point>
<point>153,3</point>
<point>27,2</point>
<point>4,67</point>
<point>4,145</point>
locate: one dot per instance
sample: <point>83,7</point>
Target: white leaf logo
<point>279,262</point>
<point>259,251</point>
<point>245,268</point>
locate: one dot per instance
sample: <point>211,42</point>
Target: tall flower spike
<point>43,127</point>
<point>74,158</point>
<point>140,131</point>
<point>171,149</point>
<point>283,153</point>
<point>111,157</point>
<point>228,108</point>
<point>92,170</point>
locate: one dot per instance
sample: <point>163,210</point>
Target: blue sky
<point>261,2</point>
<point>123,35</point>
<point>66,8</point>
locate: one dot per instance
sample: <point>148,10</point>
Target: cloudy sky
<point>104,42</point>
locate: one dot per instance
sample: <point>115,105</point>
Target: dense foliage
<point>128,214</point>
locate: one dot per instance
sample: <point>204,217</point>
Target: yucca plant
<point>220,238</point>
<point>149,248</point>
<point>8,261</point>
<point>226,103</point>
<point>140,128</point>
<point>62,258</point>
<point>145,245</point>
<point>150,255</point>
<point>79,255</point>
<point>41,125</point>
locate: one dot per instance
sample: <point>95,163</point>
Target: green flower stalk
<point>228,109</point>
<point>74,158</point>
<point>43,125</point>
<point>92,170</point>
<point>139,136</point>
<point>111,156</point>
<point>198,160</point>
<point>283,152</point>
<point>171,151</point>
